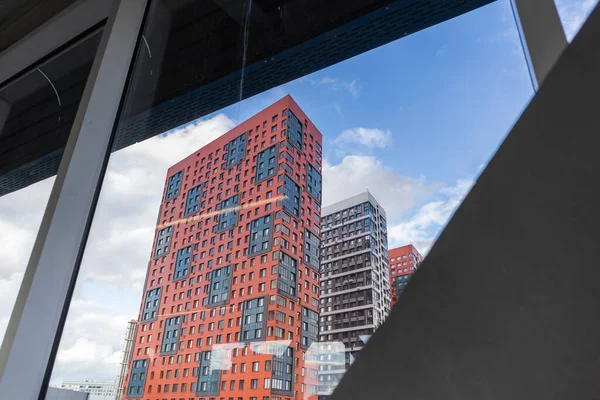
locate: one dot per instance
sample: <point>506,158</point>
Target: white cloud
<point>417,210</point>
<point>92,342</point>
<point>367,137</point>
<point>82,351</point>
<point>355,174</point>
<point>20,217</point>
<point>423,227</point>
<point>338,84</point>
<point>327,81</point>
<point>573,14</point>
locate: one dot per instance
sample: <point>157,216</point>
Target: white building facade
<point>96,390</point>
<point>355,289</point>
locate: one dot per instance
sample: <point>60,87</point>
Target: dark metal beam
<point>543,33</point>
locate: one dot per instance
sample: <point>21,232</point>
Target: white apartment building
<point>96,390</point>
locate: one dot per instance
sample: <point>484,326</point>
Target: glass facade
<point>137,379</point>
<point>173,185</point>
<point>220,286</point>
<point>242,254</point>
<point>170,340</point>
<point>151,305</point>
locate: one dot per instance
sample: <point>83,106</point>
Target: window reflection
<point>37,110</point>
<point>218,235</point>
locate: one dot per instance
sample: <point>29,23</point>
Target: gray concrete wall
<point>507,303</point>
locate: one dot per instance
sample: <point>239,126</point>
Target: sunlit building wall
<point>234,267</point>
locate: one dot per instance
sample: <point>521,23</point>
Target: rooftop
<point>352,201</point>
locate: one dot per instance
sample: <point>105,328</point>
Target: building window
<point>173,185</point>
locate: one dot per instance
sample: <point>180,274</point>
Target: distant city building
<point>355,295</point>
<point>96,390</point>
<point>404,262</point>
<point>125,358</point>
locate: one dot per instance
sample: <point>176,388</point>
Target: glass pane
<point>21,213</point>
<point>37,109</point>
<point>573,14</point>
<point>250,249</point>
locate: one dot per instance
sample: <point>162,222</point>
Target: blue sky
<point>441,100</point>
<point>448,94</point>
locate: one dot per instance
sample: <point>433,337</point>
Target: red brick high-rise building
<point>231,297</point>
<point>403,262</point>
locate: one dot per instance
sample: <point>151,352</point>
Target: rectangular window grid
<point>310,327</point>
<point>291,201</point>
<point>174,185</point>
<point>170,336</point>
<point>295,130</point>
<point>228,217</point>
<point>137,379</point>
<point>266,164</point>
<point>192,200</point>
<point>312,244</point>
<point>163,241</point>
<point>182,263</point>
<point>313,182</point>
<point>254,320</point>
<point>236,150</point>
<point>283,372</point>
<point>220,286</point>
<point>151,304</point>
<point>209,377</point>
<point>261,234</point>
<point>287,276</point>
